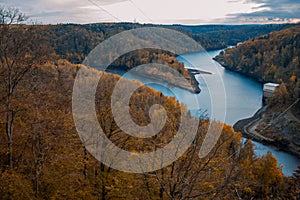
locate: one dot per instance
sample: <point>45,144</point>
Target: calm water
<point>240,96</point>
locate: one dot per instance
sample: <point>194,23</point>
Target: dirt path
<point>248,127</point>
<point>289,115</point>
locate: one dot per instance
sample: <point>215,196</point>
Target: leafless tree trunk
<point>20,50</point>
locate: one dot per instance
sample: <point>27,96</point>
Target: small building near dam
<point>269,89</point>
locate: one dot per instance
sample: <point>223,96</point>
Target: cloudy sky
<point>159,11</point>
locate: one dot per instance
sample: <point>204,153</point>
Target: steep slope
<point>42,156</point>
<point>273,58</point>
<point>51,162</point>
<point>74,41</point>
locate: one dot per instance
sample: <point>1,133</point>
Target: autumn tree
<point>20,50</point>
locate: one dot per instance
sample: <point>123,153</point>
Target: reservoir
<point>242,97</point>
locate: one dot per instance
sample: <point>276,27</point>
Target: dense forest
<point>273,58</point>
<point>213,37</point>
<point>269,58</point>
<point>73,41</point>
<point>45,158</point>
<point>42,156</point>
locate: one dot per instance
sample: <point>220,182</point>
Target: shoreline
<point>192,73</point>
<point>249,75</point>
<point>246,126</point>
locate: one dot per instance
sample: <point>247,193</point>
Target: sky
<point>189,12</point>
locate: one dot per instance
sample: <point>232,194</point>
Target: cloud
<point>158,11</point>
<point>272,11</point>
<point>108,2</point>
<point>64,11</point>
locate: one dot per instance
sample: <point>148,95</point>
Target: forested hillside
<point>220,36</point>
<point>269,58</point>
<point>48,159</point>
<point>273,58</point>
<point>42,156</point>
<point>74,41</point>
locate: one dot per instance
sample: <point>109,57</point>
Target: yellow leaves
<point>267,170</point>
<point>137,82</point>
<point>248,190</point>
<point>28,56</point>
<point>14,185</point>
<point>238,136</point>
<point>63,170</point>
<point>293,79</point>
<point>243,57</point>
